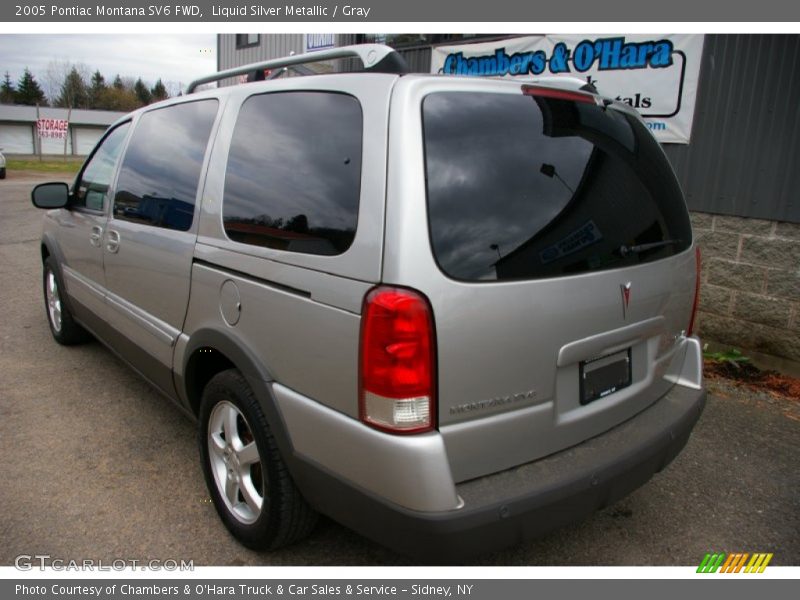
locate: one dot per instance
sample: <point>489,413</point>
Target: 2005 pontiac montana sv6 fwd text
<point>449,313</point>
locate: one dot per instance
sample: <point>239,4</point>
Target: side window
<point>160,172</point>
<point>96,177</point>
<point>294,172</point>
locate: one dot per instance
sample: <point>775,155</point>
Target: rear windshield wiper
<point>638,248</point>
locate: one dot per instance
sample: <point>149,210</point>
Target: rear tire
<point>248,481</point>
<point>3,173</point>
<point>63,327</point>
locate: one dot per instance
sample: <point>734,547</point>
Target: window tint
<point>96,177</point>
<point>523,187</point>
<point>160,172</point>
<point>294,172</point>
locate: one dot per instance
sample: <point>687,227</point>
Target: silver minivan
<point>450,313</point>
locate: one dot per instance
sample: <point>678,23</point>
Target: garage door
<point>16,139</point>
<point>56,145</point>
<point>85,138</point>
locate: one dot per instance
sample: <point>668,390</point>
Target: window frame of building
<point>425,41</point>
<point>247,40</point>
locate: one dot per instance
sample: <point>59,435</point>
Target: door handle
<point>112,241</point>
<point>95,236</point>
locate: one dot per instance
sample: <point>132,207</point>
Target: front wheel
<point>63,327</point>
<point>249,483</point>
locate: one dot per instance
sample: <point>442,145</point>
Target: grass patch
<point>49,165</point>
<point>732,357</point>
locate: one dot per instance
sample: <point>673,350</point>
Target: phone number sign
<point>52,128</point>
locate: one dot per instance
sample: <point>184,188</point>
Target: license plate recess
<point>604,375</point>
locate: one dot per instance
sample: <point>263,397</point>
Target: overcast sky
<point>173,58</point>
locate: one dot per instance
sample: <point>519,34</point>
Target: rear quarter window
<point>293,178</point>
<point>525,187</point>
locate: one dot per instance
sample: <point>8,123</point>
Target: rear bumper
<point>521,503</point>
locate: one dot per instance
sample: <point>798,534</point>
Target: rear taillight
<point>397,365</point>
<point>696,291</point>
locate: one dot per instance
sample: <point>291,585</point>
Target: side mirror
<point>50,195</point>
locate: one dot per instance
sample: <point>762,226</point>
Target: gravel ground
<point>95,464</point>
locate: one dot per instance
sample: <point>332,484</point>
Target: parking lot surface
<point>95,464</point>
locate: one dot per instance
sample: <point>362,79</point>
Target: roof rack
<point>374,57</point>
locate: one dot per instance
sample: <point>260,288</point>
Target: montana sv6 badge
<point>492,402</point>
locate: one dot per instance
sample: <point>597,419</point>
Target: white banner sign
<point>52,128</point>
<point>319,41</point>
<point>656,74</point>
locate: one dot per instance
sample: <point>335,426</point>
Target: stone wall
<point>750,292</point>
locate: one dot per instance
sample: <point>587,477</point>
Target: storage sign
<point>52,128</point>
<point>655,74</point>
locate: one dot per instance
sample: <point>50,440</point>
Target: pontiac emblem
<point>626,298</point>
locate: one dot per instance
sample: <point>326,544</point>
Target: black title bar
<point>365,11</point>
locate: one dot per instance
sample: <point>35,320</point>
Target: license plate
<point>605,375</point>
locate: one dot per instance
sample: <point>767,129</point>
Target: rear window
<point>526,186</point>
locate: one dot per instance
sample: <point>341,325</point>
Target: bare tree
<point>56,74</point>
<point>174,88</point>
<point>128,83</point>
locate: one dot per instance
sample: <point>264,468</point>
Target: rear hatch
<point>556,260</point>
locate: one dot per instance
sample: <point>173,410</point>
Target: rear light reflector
<point>698,262</point>
<point>397,365</point>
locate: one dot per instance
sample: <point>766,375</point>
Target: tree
<point>120,99</point>
<point>74,93</point>
<point>55,77</point>
<point>118,84</point>
<point>142,93</point>
<point>159,91</point>
<point>96,88</point>
<point>28,90</point>
<point>7,90</point>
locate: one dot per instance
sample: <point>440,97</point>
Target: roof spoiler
<point>375,57</point>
